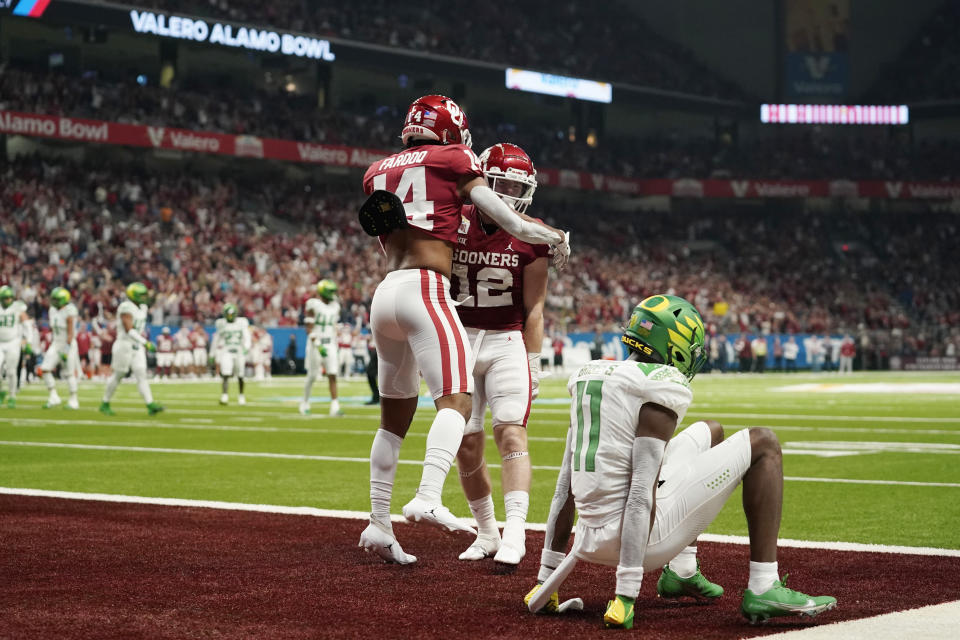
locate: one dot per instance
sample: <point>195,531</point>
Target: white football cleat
<point>241,400</point>
<point>510,553</point>
<point>483,547</point>
<point>435,514</point>
<point>383,543</point>
<point>304,409</point>
<point>72,403</point>
<point>224,399</point>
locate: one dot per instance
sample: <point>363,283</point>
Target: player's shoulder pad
<point>70,309</point>
<point>220,323</point>
<point>662,373</point>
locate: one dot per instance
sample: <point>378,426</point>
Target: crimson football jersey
<point>164,343</point>
<point>490,268</point>
<point>425,178</point>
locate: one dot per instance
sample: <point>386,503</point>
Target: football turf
<point>874,464</point>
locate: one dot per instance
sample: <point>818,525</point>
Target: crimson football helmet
<point>510,173</point>
<point>436,118</point>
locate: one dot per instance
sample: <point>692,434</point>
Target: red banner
<point>81,130</point>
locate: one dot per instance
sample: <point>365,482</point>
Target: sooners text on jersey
<point>490,268</point>
<point>425,178</point>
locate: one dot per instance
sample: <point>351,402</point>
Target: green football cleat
<point>670,585</point>
<point>780,601</point>
<point>619,614</point>
<point>106,410</point>
<point>11,403</point>
<point>154,408</point>
<point>3,396</point>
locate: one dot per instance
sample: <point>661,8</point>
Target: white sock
<point>111,388</point>
<point>144,388</point>
<point>443,441</point>
<point>49,381</point>
<point>516,504</point>
<point>306,388</point>
<point>384,454</point>
<point>72,385</point>
<point>483,511</point>
<point>762,576</point>
<point>684,564</point>
<point>334,406</point>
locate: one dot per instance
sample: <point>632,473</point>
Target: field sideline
<point>868,469</point>
<point>852,460</point>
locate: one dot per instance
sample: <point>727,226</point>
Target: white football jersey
<point>139,313</point>
<point>233,336</point>
<point>326,316</point>
<point>607,397</point>
<point>58,323</point>
<point>10,321</point>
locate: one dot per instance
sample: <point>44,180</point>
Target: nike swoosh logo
<point>660,483</point>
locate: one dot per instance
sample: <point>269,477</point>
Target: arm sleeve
<point>550,559</point>
<point>635,531</point>
<point>491,204</point>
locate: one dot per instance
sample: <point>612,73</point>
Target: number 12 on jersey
<point>589,430</point>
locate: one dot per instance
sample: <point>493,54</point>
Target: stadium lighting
<point>551,85</point>
<point>834,114</point>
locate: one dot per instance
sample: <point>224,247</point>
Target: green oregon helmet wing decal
<point>59,297</point>
<point>668,329</point>
<point>327,289</point>
<point>137,292</point>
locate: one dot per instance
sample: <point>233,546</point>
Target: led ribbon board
<point>834,114</point>
<point>551,85</point>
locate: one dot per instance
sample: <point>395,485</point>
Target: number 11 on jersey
<point>593,389</point>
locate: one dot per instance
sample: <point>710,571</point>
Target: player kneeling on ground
<point>232,344</point>
<point>502,311</point>
<point>129,350</point>
<point>622,415</point>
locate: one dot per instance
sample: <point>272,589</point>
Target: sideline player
<point>412,318</point>
<point>183,358</point>
<point>501,283</point>
<point>130,347</point>
<point>62,316</point>
<point>199,340</point>
<point>164,353</point>
<point>14,325</point>
<point>231,343</point>
<point>322,317</point>
<point>611,474</point>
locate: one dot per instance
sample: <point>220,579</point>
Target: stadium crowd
<point>203,241</point>
<point>569,37</point>
<point>813,153</point>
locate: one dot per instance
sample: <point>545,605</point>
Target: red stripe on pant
<point>457,336</point>
<point>529,394</point>
<point>441,336</point>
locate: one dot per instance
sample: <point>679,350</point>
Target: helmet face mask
<point>230,311</point>
<point>59,297</point>
<point>510,173</point>
<point>6,296</point>
<point>436,118</point>
<point>668,330</point>
<point>327,289</point>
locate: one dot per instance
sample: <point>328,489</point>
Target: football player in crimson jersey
<point>502,283</point>
<point>412,318</point>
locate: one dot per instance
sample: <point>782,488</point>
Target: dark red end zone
<point>79,569</point>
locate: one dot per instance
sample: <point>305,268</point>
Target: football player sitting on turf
<point>622,415</point>
<point>501,308</point>
<point>129,350</point>
<point>231,343</point>
<point>322,317</point>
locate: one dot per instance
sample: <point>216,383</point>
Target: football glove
<point>323,351</point>
<point>27,349</point>
<point>561,252</point>
<point>63,356</point>
<point>150,347</point>
<point>534,359</point>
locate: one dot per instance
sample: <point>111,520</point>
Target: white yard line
<point>933,621</point>
<point>366,460</point>
<point>363,515</point>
